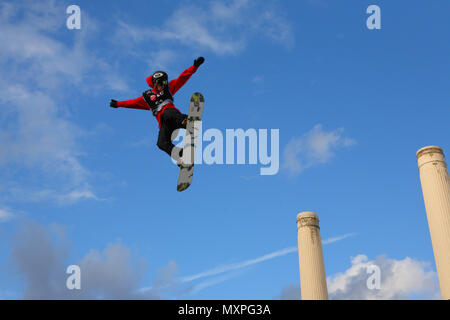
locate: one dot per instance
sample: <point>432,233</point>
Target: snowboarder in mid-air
<point>159,100</point>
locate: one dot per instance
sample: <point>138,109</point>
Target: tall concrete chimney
<point>436,194</point>
<point>313,283</point>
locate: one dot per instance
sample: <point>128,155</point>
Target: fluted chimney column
<point>313,283</point>
<point>436,194</point>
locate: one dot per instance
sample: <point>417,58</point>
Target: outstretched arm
<point>177,83</point>
<point>138,103</point>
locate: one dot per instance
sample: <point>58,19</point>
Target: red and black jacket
<point>174,86</point>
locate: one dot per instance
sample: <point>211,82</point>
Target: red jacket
<point>174,86</point>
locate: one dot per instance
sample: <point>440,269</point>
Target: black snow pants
<point>171,120</point>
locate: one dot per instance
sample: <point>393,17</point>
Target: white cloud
<point>230,11</point>
<point>193,27</point>
<point>338,238</point>
<point>239,265</point>
<point>212,282</point>
<point>315,147</point>
<point>400,279</point>
<point>162,59</point>
<point>247,263</point>
<point>407,278</point>
<point>229,271</point>
<point>290,292</point>
<point>40,256</point>
<point>185,26</point>
<point>218,27</point>
<point>111,274</point>
<point>42,142</point>
<point>57,196</point>
<point>38,136</point>
<point>5,214</point>
<point>275,27</point>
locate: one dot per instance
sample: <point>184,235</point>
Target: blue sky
<point>85,184</point>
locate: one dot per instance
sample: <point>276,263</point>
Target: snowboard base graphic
<point>190,140</point>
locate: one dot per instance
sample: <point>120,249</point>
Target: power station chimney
<point>436,194</point>
<point>312,270</point>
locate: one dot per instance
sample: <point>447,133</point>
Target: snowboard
<point>190,140</point>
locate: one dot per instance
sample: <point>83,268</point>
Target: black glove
<point>199,61</point>
<point>113,103</point>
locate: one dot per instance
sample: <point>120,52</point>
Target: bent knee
<point>163,145</point>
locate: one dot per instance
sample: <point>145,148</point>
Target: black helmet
<point>160,77</point>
